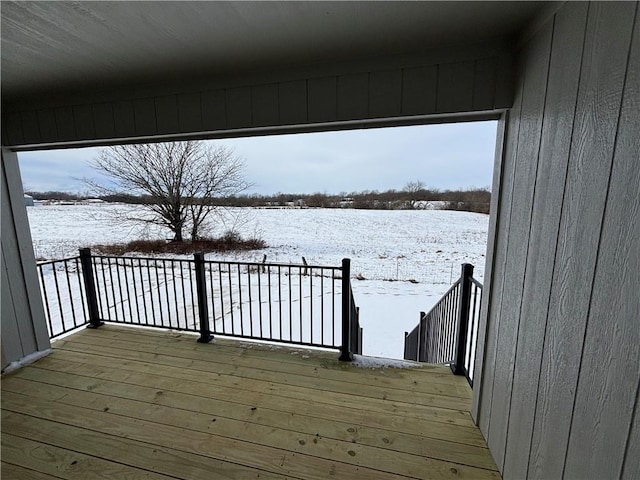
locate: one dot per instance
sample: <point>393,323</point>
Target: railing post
<point>345,351</point>
<point>203,308</point>
<point>421,348</point>
<point>463,319</point>
<point>90,288</point>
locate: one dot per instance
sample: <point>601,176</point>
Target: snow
<point>32,357</point>
<point>407,259</point>
<point>377,362</point>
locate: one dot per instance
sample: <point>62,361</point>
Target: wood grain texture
<point>43,460</point>
<point>494,294</point>
<point>557,129</point>
<point>19,266</point>
<point>602,76</point>
<point>191,420</point>
<point>16,472</point>
<point>630,466</point>
<point>489,268</point>
<point>526,165</point>
<point>606,391</point>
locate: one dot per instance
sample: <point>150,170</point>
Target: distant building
<point>28,200</point>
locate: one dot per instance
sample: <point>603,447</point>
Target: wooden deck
<point>128,403</point>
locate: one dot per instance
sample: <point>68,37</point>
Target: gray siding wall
<point>558,373</point>
<point>23,324</point>
<point>470,79</point>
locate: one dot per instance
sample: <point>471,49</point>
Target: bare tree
<point>413,189</point>
<point>179,178</point>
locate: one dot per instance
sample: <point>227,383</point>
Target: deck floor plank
<point>159,405</point>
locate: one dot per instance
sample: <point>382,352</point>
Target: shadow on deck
<point>120,402</point>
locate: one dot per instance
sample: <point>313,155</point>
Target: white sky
<point>444,156</point>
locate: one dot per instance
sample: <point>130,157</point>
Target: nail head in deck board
<point>445,396</point>
<point>97,387</point>
<point>561,96</point>
<point>118,449</point>
<point>195,415</point>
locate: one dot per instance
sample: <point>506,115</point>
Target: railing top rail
<point>444,296</point>
<point>267,264</point>
<point>219,262</point>
<point>476,282</point>
<point>48,262</point>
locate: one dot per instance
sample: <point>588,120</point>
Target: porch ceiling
<point>65,46</point>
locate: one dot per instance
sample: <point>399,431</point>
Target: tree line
<point>470,200</point>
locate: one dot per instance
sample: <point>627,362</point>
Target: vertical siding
<point>557,394</point>
<point>468,83</point>
<point>23,325</point>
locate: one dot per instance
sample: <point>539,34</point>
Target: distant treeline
<point>473,200</point>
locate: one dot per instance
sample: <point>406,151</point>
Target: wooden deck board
<point>158,405</point>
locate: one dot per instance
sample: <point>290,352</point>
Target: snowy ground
<point>407,259</point>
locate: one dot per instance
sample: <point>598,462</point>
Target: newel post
<point>346,355</point>
<point>90,288</point>
<point>203,307</point>
<point>463,319</point>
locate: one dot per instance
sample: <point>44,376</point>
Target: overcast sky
<point>445,156</point>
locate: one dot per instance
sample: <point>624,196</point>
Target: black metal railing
<point>299,304</point>
<point>63,296</point>
<point>448,333</point>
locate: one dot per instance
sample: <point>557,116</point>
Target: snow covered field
<point>406,259</point>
